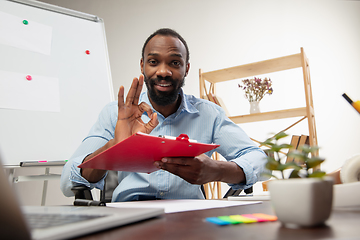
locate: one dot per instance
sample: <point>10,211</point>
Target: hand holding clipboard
<point>139,152</point>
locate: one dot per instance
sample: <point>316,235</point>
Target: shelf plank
<point>256,117</point>
<point>254,69</point>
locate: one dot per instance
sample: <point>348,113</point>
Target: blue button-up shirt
<point>201,120</point>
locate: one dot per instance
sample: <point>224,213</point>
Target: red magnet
<point>28,77</point>
<point>87,52</point>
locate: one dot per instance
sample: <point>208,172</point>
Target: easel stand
<point>41,177</point>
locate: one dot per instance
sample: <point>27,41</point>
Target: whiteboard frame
<point>105,59</point>
<point>58,9</point>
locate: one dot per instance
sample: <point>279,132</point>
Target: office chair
<point>111,182</point>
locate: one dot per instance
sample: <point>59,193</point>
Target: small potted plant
<point>255,89</point>
<point>303,197</point>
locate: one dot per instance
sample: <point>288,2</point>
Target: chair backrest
<point>111,182</point>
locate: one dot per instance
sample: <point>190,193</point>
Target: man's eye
<point>152,62</point>
<point>176,63</point>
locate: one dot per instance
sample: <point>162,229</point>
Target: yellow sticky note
<point>242,219</point>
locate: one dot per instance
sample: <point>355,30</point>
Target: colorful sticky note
<point>242,219</point>
<point>258,219</point>
<point>229,219</point>
<point>217,221</point>
<point>265,216</point>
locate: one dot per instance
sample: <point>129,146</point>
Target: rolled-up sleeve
<point>253,165</point>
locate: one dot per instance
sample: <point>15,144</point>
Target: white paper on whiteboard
<point>34,36</point>
<point>40,94</point>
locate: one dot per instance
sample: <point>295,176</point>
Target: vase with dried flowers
<point>255,89</point>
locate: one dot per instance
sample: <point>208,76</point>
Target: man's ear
<point>187,69</point>
<point>142,65</point>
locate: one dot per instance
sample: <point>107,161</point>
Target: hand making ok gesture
<point>129,122</point>
<point>130,112</point>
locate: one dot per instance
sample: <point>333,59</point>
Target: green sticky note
<point>242,219</point>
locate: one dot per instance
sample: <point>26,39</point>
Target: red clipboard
<point>138,153</point>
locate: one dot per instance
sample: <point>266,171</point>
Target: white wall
<point>232,32</point>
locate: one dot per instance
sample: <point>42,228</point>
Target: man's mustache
<point>159,79</point>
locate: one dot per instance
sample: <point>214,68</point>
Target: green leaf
<point>317,174</point>
<point>280,135</point>
<point>268,142</point>
<point>306,148</point>
<point>272,165</point>
<point>269,158</point>
<point>294,174</point>
<point>297,155</point>
<point>288,165</point>
<point>286,146</point>
<point>276,148</point>
<point>314,161</point>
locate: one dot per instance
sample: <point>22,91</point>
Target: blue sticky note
<point>217,221</point>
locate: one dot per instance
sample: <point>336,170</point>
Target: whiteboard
<point>48,121</point>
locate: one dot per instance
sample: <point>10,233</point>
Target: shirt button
<point>161,193</point>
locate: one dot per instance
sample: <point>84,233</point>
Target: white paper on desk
<point>265,196</point>
<point>34,36</point>
<point>40,94</point>
<point>172,206</point>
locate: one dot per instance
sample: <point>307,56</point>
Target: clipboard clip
<point>182,137</point>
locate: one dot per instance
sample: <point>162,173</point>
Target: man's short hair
<point>167,32</point>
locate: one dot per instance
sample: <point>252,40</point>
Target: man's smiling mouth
<point>164,84</point>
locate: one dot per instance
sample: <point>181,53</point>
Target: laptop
<point>60,222</point>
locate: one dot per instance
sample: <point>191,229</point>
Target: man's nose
<point>163,71</point>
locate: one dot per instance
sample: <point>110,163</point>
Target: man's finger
<point>121,97</point>
<point>184,171</point>
<point>144,107</point>
<point>152,123</point>
<point>179,161</point>
<point>138,90</point>
<point>132,91</point>
<point>173,168</point>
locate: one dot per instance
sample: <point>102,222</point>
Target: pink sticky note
<point>263,217</point>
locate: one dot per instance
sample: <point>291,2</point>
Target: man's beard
<point>163,98</point>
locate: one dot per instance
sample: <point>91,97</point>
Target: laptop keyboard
<point>37,221</point>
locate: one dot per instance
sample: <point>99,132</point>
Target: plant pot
<point>302,202</point>
<point>254,107</point>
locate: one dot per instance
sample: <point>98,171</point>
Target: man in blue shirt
<point>165,110</point>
